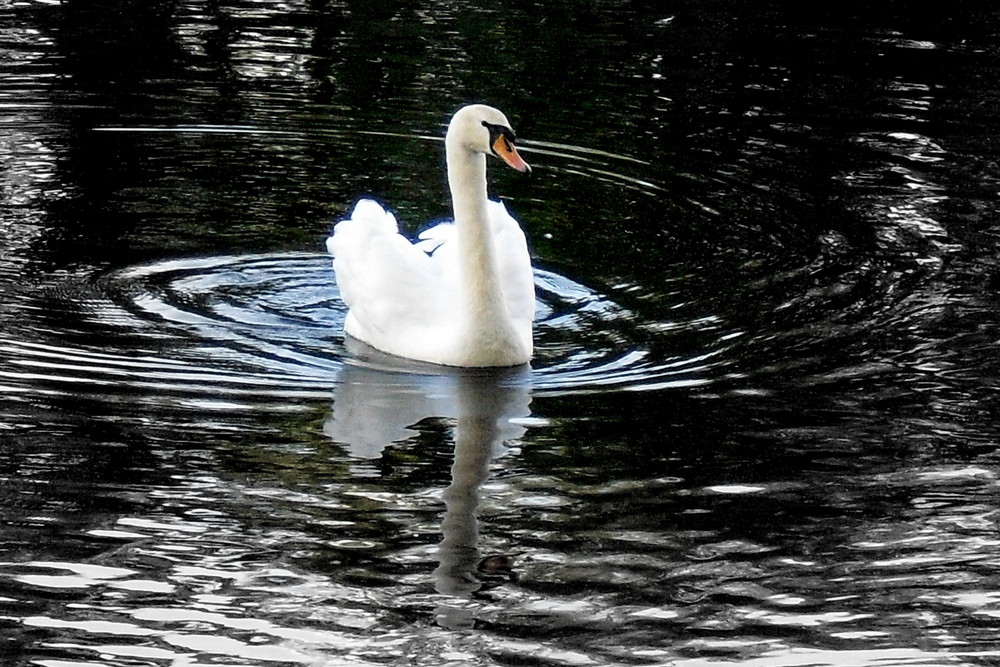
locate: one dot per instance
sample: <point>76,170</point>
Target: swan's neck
<point>467,179</point>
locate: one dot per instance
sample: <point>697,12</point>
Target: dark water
<point>762,424</point>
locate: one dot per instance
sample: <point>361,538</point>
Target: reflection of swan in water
<point>377,404</point>
<point>485,410</point>
<point>373,408</point>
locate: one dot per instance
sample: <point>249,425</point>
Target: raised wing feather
<point>384,279</point>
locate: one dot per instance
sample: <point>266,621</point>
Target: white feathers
<point>406,298</point>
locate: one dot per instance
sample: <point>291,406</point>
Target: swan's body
<point>463,295</point>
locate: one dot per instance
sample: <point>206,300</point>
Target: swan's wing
<point>384,279</point>
<point>513,263</point>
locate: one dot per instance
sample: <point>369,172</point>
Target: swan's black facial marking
<point>502,146</point>
<point>498,132</point>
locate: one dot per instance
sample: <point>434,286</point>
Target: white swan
<point>463,295</point>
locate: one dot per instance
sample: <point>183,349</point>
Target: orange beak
<point>506,151</point>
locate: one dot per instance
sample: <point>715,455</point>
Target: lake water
<point>762,424</point>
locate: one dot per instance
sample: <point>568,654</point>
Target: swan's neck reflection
<point>375,408</point>
<point>483,427</point>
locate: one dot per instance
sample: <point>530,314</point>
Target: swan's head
<point>482,129</point>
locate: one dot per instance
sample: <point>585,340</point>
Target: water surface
<point>761,425</point>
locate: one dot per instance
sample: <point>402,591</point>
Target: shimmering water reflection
<point>761,426</point>
<point>355,562</point>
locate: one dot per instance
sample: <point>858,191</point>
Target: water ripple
<point>268,327</point>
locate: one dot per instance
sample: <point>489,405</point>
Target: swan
<point>463,294</point>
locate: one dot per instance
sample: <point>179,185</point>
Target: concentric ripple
<point>272,324</point>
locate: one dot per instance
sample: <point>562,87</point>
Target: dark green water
<point>762,424</point>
